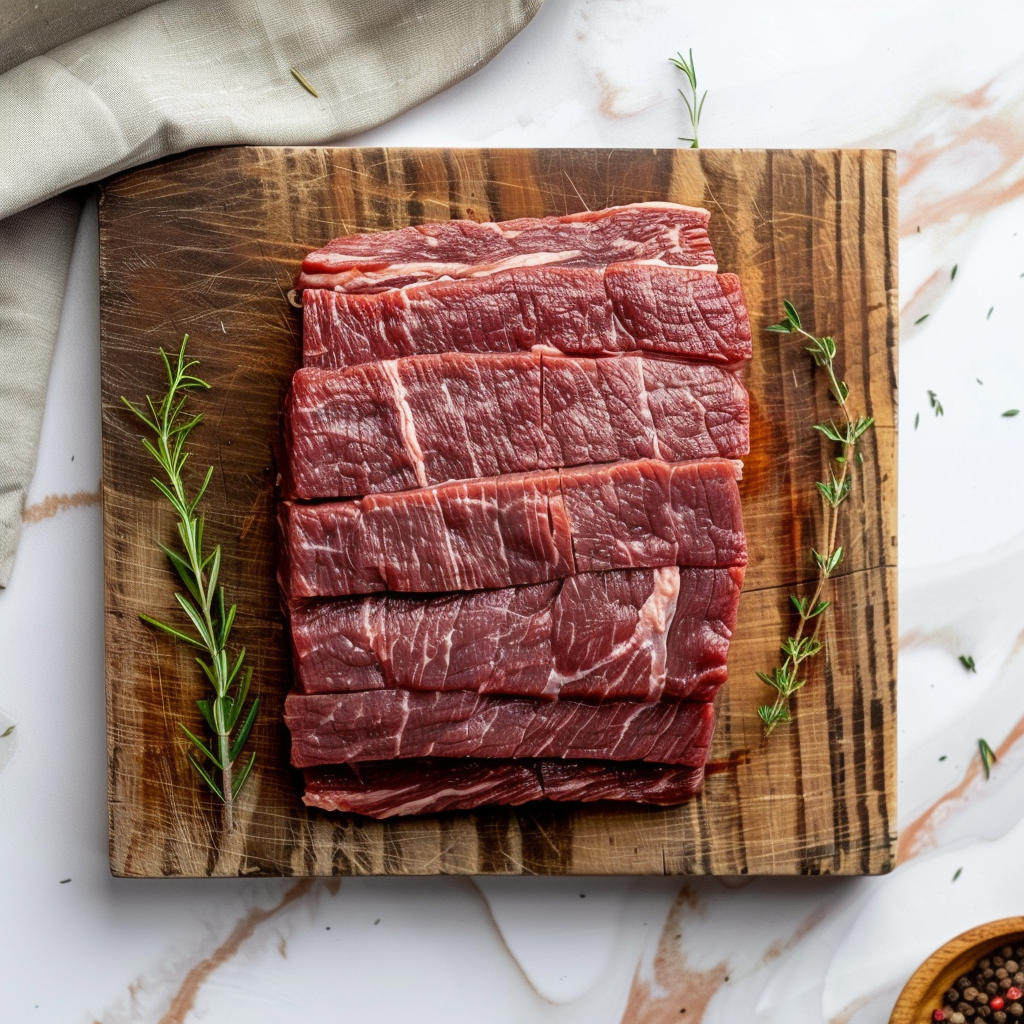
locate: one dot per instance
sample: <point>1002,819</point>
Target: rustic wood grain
<point>924,992</point>
<point>208,244</point>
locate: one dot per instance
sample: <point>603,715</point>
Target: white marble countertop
<point>943,84</point>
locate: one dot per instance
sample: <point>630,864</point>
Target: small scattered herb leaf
<point>7,732</point>
<point>1012,412</point>
<point>988,757</point>
<point>921,319</point>
<point>917,420</point>
<point>936,404</point>
<point>305,85</point>
<point>968,662</point>
<point>988,315</point>
<point>952,273</point>
<point>957,874</point>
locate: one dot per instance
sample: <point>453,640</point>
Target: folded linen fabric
<point>171,77</point>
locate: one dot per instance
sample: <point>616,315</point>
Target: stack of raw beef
<point>512,548</point>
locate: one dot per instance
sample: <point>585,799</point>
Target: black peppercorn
<point>1007,952</point>
<point>1002,973</point>
<point>956,1017</point>
<point>998,961</point>
<point>1015,1010</point>
<point>999,1017</point>
<point>970,994</point>
<point>984,1012</point>
<point>1012,967</point>
<point>992,988</point>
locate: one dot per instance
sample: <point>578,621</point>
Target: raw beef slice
<point>582,311</point>
<point>405,423</point>
<point>378,725</point>
<point>385,789</point>
<point>636,634</point>
<point>673,234</point>
<point>503,531</point>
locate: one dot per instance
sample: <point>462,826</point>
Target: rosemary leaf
<point>1012,412</point>
<point>988,757</point>
<point>7,732</point>
<point>305,85</point>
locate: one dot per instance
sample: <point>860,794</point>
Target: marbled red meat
<point>377,725</point>
<point>636,634</point>
<point>406,423</point>
<point>582,311</point>
<point>508,530</point>
<point>385,789</point>
<point>676,235</point>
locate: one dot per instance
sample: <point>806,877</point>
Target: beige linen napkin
<point>170,77</point>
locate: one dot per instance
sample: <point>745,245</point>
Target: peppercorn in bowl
<point>976,978</point>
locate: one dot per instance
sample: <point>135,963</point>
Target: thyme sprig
<point>693,107</point>
<point>805,642</point>
<point>204,605</point>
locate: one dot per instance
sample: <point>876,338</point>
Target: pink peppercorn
<point>1013,994</point>
<point>938,1015</point>
<point>996,1002</point>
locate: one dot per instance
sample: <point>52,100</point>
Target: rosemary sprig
<point>784,679</point>
<point>204,604</point>
<point>694,108</point>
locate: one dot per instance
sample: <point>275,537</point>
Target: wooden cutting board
<point>208,243</point>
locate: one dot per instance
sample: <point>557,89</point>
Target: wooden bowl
<point>928,984</point>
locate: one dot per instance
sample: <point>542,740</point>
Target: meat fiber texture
<point>406,423</point>
<point>638,634</point>
<point>385,789</point>
<point>583,311</point>
<point>508,530</point>
<point>672,234</point>
<point>378,725</point>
